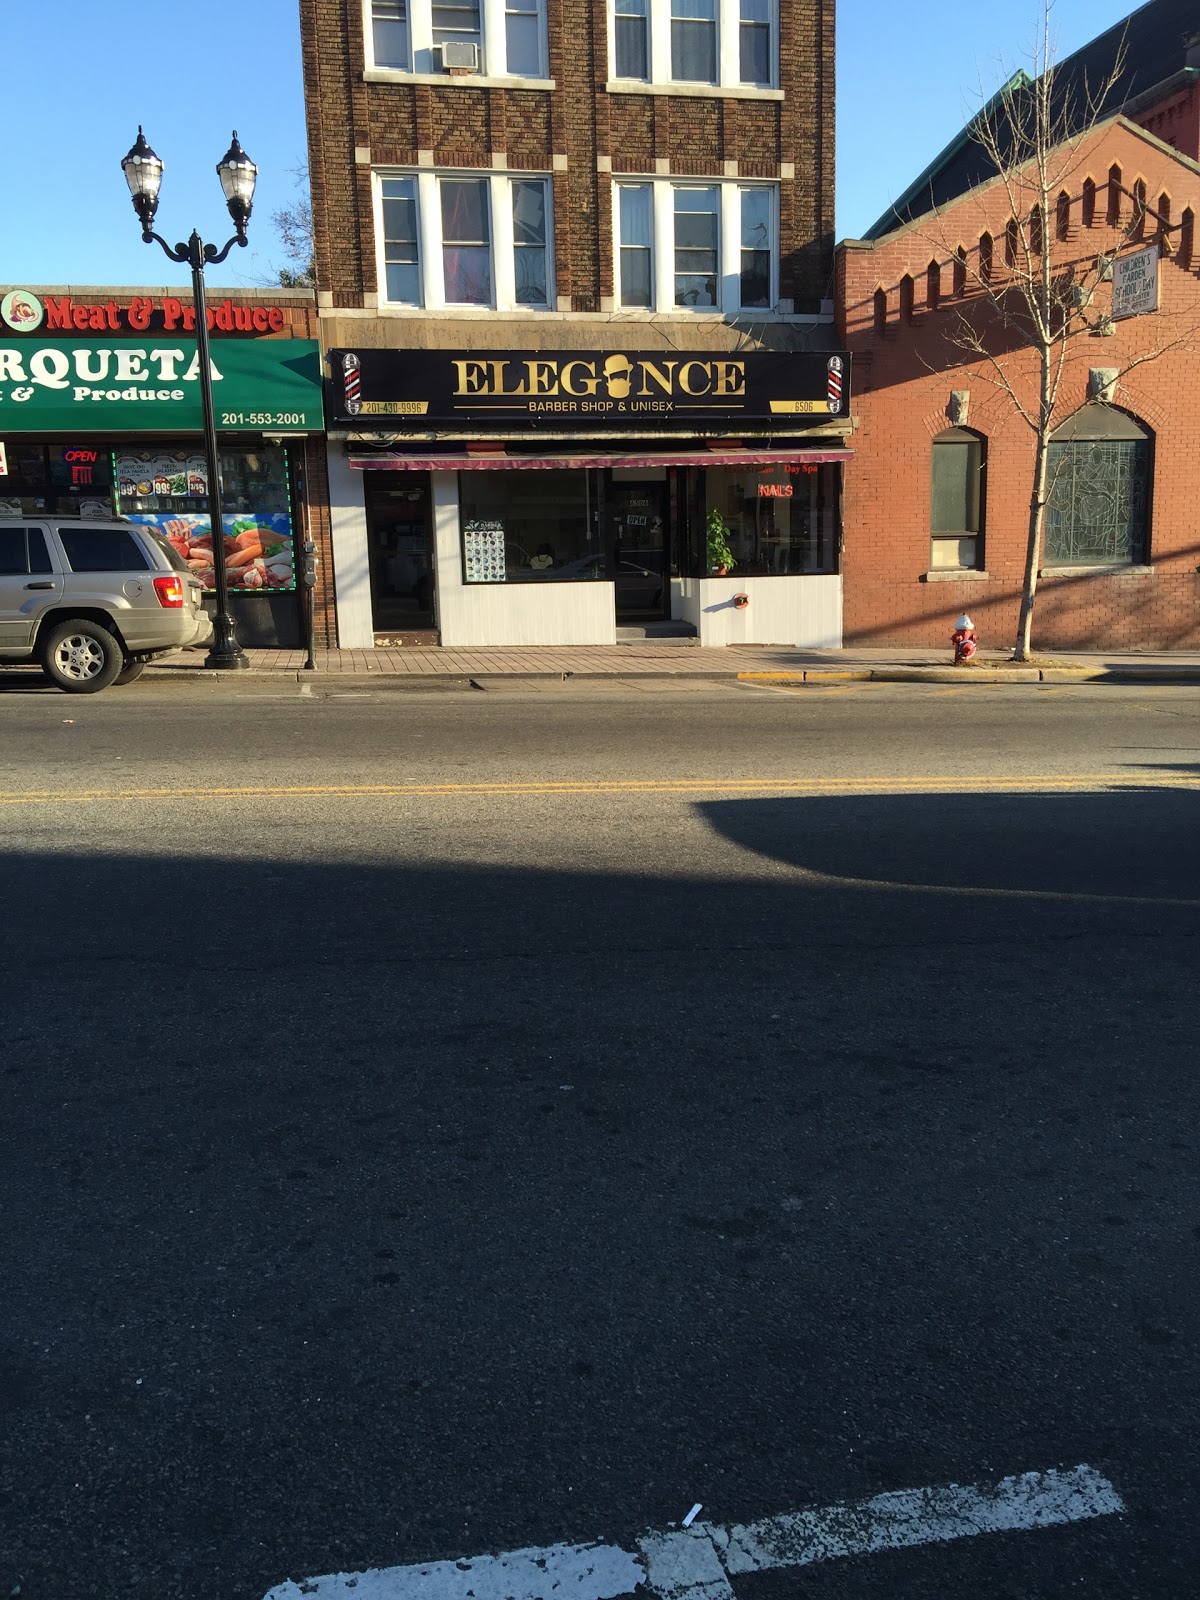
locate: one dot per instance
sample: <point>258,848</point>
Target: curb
<point>325,681</point>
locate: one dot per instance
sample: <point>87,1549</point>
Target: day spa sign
<point>589,390</point>
<point>127,385</point>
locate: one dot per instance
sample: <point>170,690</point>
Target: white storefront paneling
<point>510,613</point>
<point>803,611</point>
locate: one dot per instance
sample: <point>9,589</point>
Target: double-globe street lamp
<point>143,172</point>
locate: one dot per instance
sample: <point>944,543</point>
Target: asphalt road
<point>448,1122</point>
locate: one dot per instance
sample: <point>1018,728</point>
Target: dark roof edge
<point>1117,120</point>
<point>1183,79</point>
<point>892,217</point>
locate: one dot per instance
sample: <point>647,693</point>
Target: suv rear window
<point>161,542</point>
<point>102,550</point>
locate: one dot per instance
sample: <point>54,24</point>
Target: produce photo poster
<point>259,553</point>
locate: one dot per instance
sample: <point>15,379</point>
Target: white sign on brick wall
<point>1135,283</point>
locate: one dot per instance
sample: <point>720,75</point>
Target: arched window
<point>1087,206</point>
<point>986,252</point>
<point>1187,238</point>
<point>960,272</point>
<point>1037,231</point>
<point>881,311</point>
<point>1114,196</point>
<point>933,285</point>
<point>1138,226</point>
<point>1098,506</point>
<point>1010,242</point>
<point>1163,221</point>
<point>906,298</point>
<point>1062,217</point>
<point>956,500</point>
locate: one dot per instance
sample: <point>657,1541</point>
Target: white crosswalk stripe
<point>697,1563</point>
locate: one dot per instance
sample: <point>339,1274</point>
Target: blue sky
<point>191,74</point>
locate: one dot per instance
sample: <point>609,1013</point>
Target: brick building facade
<point>633,196</point>
<point>937,507</point>
<point>900,295</point>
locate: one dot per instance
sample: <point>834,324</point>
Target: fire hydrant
<point>965,640</point>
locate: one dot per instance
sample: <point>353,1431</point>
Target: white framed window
<point>501,38</point>
<point>713,44</point>
<point>694,41</point>
<point>469,240</point>
<point>400,233</point>
<point>696,246</point>
<point>390,46</point>
<point>466,241</point>
<point>635,236</point>
<point>531,241</point>
<point>755,44</point>
<point>755,265</point>
<point>631,39</point>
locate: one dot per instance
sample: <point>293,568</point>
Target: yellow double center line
<point>915,784</point>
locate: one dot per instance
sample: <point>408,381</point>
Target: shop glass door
<point>399,540</point>
<point>637,524</point>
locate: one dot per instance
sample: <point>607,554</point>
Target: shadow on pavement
<point>371,1213</point>
<point>1043,844</point>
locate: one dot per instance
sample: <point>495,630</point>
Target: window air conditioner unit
<point>460,57</point>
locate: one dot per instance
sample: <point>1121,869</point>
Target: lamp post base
<point>225,654</point>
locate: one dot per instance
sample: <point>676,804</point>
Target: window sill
<point>445,80</point>
<point>702,91</point>
<point>956,575</point>
<point>1101,567</point>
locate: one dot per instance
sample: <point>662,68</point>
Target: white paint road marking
<point>697,1563</point>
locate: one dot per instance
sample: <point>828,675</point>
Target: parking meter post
<point>310,583</point>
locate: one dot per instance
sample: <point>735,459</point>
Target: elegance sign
<point>149,385</point>
<point>589,389</point>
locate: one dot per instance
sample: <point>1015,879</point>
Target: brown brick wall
<point>464,126</point>
<point>902,383</point>
<point>316,511</point>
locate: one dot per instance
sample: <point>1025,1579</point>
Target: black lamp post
<point>143,172</point>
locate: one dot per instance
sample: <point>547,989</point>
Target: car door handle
<point>39,586</point>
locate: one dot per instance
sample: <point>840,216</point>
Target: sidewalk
<point>674,660</point>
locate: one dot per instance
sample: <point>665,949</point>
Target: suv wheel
<point>129,673</point>
<point>81,657</point>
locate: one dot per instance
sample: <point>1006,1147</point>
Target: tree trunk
<point>1037,515</point>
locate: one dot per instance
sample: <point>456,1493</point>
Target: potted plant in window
<point>720,556</point>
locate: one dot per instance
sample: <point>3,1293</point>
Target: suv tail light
<point>169,592</point>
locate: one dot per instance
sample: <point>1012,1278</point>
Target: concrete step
<point>659,632</point>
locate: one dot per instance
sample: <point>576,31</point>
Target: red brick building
<point>561,250</point>
<point>937,507</point>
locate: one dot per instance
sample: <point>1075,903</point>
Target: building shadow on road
<point>1142,843</point>
<point>369,1212</point>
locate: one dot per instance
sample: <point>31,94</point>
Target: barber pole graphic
<point>352,380</point>
<point>834,386</point>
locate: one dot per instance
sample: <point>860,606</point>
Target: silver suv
<point>93,601</point>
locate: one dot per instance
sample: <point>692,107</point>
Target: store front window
<point>530,527</point>
<point>167,487</point>
<point>57,480</point>
<point>782,520</point>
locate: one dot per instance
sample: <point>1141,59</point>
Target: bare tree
<point>1027,289</point>
<point>294,225</point>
